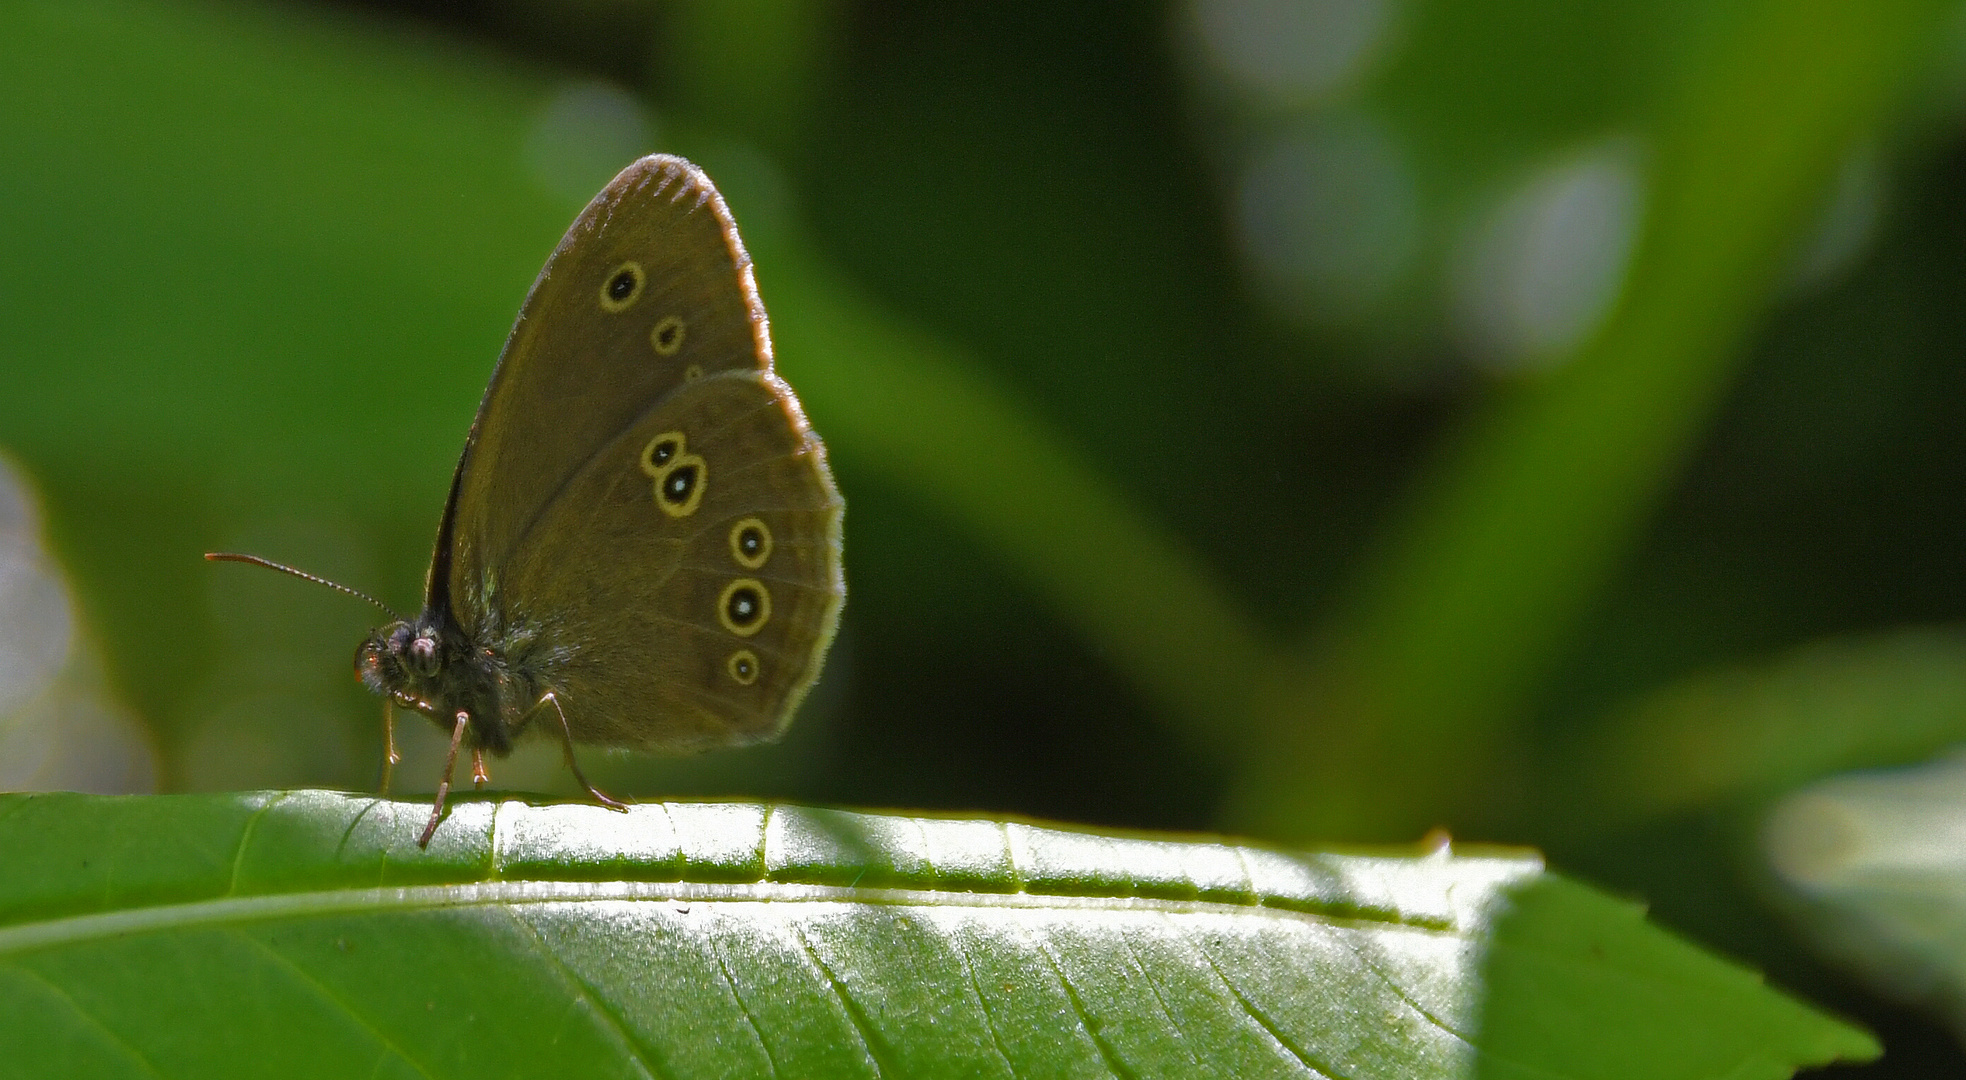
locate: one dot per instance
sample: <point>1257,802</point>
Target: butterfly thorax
<point>430,666</point>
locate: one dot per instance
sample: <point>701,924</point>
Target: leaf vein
<point>1248,872</point>
<point>341,847</point>
<point>67,929</point>
<point>246,839</point>
<point>1311,1063</point>
<point>1398,991</point>
<point>641,1054</point>
<point>982,1004</point>
<point>1174,1025</point>
<point>862,1027</point>
<point>321,988</point>
<point>1107,1052</point>
<point>91,1019</point>
<point>764,842</point>
<point>495,868</point>
<point>744,1007</point>
<point>1010,857</point>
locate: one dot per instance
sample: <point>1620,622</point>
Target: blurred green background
<point>1317,419</point>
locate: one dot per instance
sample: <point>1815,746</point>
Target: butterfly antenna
<point>231,556</point>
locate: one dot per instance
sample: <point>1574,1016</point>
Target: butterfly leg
<point>444,785</point>
<point>566,744</point>
<point>390,757</point>
<point>478,775</point>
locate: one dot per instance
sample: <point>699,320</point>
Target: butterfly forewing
<point>650,284</point>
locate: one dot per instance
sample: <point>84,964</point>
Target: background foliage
<point>1462,415</point>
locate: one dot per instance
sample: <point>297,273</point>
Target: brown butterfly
<point>641,547</point>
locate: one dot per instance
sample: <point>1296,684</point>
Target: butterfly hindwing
<point>690,571</point>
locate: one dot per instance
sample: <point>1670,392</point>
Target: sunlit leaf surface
<point>304,934</point>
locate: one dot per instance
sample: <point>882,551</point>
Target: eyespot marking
<point>679,485</point>
<point>662,451</point>
<point>679,476</point>
<point>692,373</point>
<point>743,667</point>
<point>750,543</point>
<point>679,490</point>
<point>667,337</point>
<point>623,287</point>
<point>745,607</point>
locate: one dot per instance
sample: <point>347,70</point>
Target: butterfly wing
<point>650,283</point>
<point>553,548</point>
<point>688,579</point>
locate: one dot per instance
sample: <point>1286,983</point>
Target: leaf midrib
<point>228,910</point>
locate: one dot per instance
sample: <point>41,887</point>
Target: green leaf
<point>1870,868</point>
<point>1749,732</point>
<point>304,933</point>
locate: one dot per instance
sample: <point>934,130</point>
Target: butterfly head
<point>401,661</point>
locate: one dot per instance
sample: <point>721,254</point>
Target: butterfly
<point>641,547</point>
